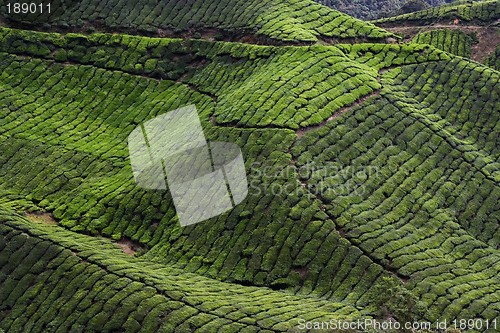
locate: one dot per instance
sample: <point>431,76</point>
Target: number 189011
<point>27,8</point>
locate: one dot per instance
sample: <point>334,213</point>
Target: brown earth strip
<point>39,217</point>
<point>488,36</point>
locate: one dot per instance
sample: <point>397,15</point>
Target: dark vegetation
<point>294,21</point>
<point>494,60</point>
<point>485,12</point>
<point>413,6</point>
<point>375,9</point>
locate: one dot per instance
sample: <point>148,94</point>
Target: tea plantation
<point>373,169</point>
<point>283,20</point>
<point>484,12</point>
<point>494,60</point>
<point>453,41</point>
<point>370,10</point>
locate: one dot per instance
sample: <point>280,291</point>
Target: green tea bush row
<point>423,199</point>
<point>481,12</point>
<point>53,280</point>
<point>382,56</point>
<point>281,20</point>
<point>452,41</point>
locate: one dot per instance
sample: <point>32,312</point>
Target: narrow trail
<point>439,25</point>
<point>40,217</point>
<point>488,36</point>
<point>303,130</point>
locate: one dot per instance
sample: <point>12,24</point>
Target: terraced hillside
<point>373,9</point>
<point>485,12</point>
<point>453,41</point>
<point>283,20</point>
<point>462,28</point>
<point>373,173</point>
<point>364,9</point>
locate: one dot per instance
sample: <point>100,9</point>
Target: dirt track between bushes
<point>488,36</point>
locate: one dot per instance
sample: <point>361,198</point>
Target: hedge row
<point>415,182</point>
<point>383,56</point>
<point>70,157</point>
<point>481,12</point>
<point>301,20</point>
<point>494,60</point>
<point>452,41</point>
<point>52,280</point>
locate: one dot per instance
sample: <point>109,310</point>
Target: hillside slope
<point>373,175</point>
<point>485,12</point>
<point>494,59</point>
<point>69,156</point>
<point>370,9</point>
<point>281,20</point>
<point>462,28</point>
<point>73,283</point>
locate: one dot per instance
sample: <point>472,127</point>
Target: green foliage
<point>494,60</point>
<point>393,299</point>
<point>413,6</point>
<point>480,12</point>
<point>269,19</point>
<point>452,41</point>
<point>401,142</point>
<point>87,284</point>
<point>252,81</point>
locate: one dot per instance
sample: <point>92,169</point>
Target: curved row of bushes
<point>480,12</point>
<point>452,41</point>
<point>279,20</point>
<point>411,185</point>
<point>411,177</point>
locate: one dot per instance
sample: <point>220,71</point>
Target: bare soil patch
<point>128,246</point>
<point>39,217</point>
<point>488,36</point>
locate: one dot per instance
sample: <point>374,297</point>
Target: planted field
<point>452,41</point>
<point>373,172</point>
<point>281,20</point>
<point>480,12</point>
<point>494,60</point>
<point>53,280</point>
<point>71,102</point>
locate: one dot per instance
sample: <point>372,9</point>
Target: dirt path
<point>38,217</point>
<point>488,36</point>
<point>128,247</point>
<point>303,130</point>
